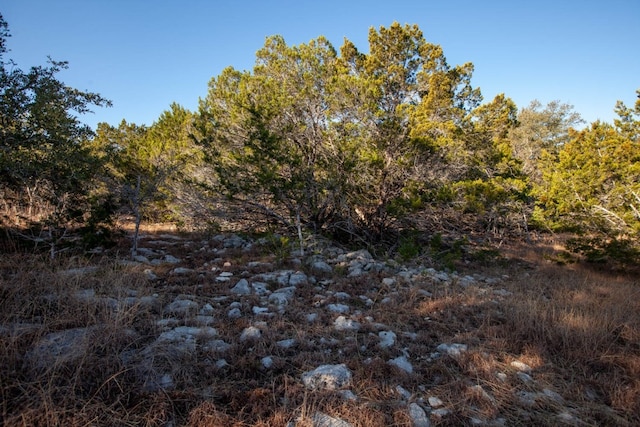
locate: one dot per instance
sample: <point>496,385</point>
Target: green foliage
<point>46,163</point>
<point>592,186</point>
<point>541,130</point>
<point>347,143</point>
<point>409,247</point>
<point>446,254</point>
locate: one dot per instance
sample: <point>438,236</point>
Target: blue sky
<point>146,54</point>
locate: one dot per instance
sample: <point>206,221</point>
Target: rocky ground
<point>229,321</point>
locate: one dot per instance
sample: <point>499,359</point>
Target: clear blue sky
<point>146,54</point>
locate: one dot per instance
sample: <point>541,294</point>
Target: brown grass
<point>577,329</point>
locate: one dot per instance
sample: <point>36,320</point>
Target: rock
<point>327,377</point>
<point>234,313</point>
<point>435,402</point>
<point>85,294</point>
<point>387,339</point>
<point>453,350</point>
<point>343,324</point>
<point>440,412</point>
<point>288,343</point>
<point>250,333</point>
<point>216,346</point>
<point>342,296</point>
<point>80,271</point>
<point>207,310</point>
<point>389,281</point>
<point>527,398</point>
<point>520,366</point>
<point>170,259</point>
<point>338,308</point>
<point>260,288</point>
<point>181,270</point>
<point>234,242</point>
<point>524,377</point>
<point>297,278</point>
<point>181,306</point>
<point>150,274</point>
<point>406,394</point>
<point>402,363</point>
<point>185,336</point>
<point>267,362</point>
<point>141,259</point>
<point>225,276</point>
<point>552,395</point>
<point>61,347</point>
<point>321,268</point>
<point>241,288</point>
<point>567,418</point>
<point>418,416</point>
<point>259,310</point>
<point>320,419</point>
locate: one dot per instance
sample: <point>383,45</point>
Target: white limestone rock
<point>328,377</point>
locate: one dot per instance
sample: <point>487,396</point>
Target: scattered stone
<point>241,288</point>
<point>453,350</point>
<point>80,271</point>
<point>348,395</point>
<point>61,347</point>
<point>525,378</point>
<point>389,281</point>
<point>234,313</point>
<point>207,310</point>
<point>150,274</point>
<point>321,268</point>
<point>552,395</point>
<point>418,416</point>
<point>338,308</point>
<point>480,392</point>
<point>435,402</point>
<point>387,339</point>
<point>568,418</point>
<point>288,343</point>
<point>343,324</point>
<point>319,419</point>
<point>342,296</point>
<point>170,259</point>
<point>440,412</point>
<point>520,366</point>
<point>259,310</point>
<point>260,288</point>
<point>406,394</point>
<point>327,377</point>
<point>298,278</point>
<point>181,306</point>
<point>181,270</point>
<point>85,294</point>
<point>141,259</point>
<point>250,333</point>
<point>527,398</point>
<point>267,362</point>
<point>402,363</point>
<point>216,346</point>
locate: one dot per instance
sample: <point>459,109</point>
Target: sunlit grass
<point>577,330</point>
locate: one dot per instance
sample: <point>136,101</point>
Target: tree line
<point>367,148</point>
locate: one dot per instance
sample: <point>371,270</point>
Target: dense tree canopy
<point>45,161</point>
<point>359,146</point>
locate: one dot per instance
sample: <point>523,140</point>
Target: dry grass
<point>578,330</point>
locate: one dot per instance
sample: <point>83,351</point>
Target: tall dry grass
<point>577,329</point>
